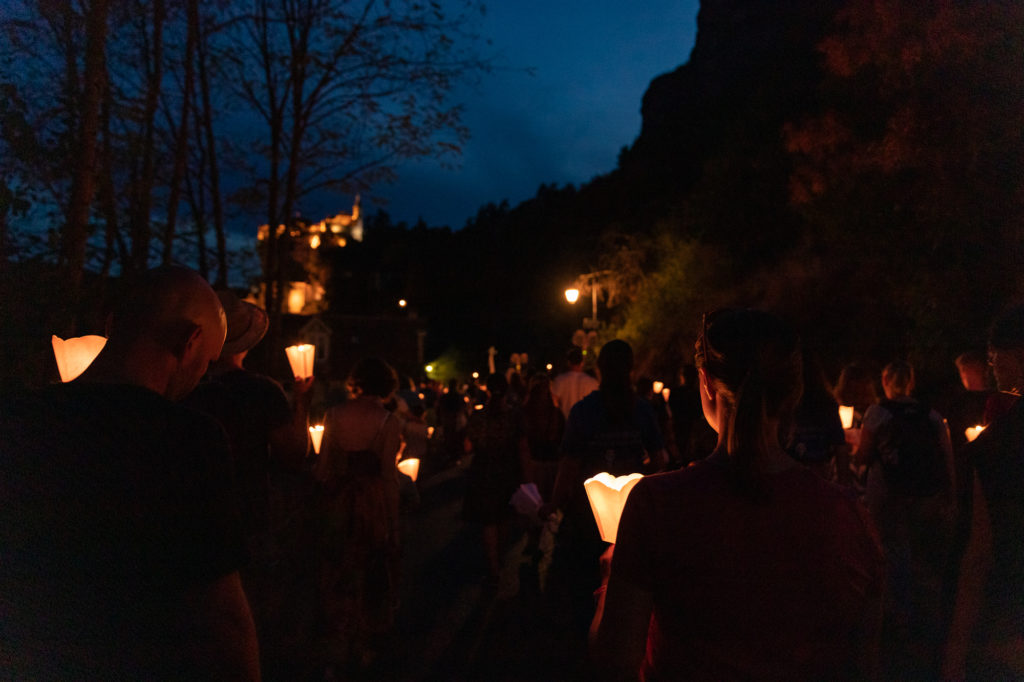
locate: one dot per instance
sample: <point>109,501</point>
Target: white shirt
<point>571,387</point>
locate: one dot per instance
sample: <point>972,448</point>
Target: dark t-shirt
<point>592,437</point>
<point>748,590</point>
<point>249,406</point>
<point>998,457</point>
<point>114,502</point>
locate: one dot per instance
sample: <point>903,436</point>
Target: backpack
<point>909,450</point>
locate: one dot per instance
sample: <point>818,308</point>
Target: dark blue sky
<point>566,123</point>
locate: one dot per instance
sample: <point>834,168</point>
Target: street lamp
<point>588,283</point>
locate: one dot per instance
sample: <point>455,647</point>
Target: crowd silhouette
<point>164,516</point>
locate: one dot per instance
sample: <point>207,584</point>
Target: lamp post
<point>590,282</point>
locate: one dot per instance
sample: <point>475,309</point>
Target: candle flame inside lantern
<point>316,434</point>
<point>74,355</point>
<point>301,359</point>
<point>410,467</point>
<point>607,495</point>
<point>973,432</point>
<point>846,416</point>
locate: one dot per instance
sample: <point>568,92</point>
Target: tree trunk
<point>83,183</point>
<point>144,186</point>
<point>211,151</point>
<point>181,139</point>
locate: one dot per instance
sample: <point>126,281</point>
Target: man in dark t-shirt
<point>120,541</point>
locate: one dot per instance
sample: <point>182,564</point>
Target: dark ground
<point>452,625</point>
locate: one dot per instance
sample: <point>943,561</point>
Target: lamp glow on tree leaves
<point>607,495</point>
<point>301,359</point>
<point>316,434</point>
<point>410,467</point>
<point>74,355</point>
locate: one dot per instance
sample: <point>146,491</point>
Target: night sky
<point>566,123</point>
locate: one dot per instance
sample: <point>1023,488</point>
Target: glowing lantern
<point>846,416</point>
<point>478,406</point>
<point>410,467</point>
<point>972,432</point>
<point>572,295</point>
<point>476,375</point>
<point>658,386</point>
<point>74,355</point>
<point>316,434</point>
<point>430,432</point>
<point>301,359</point>
<point>549,367</point>
<point>665,393</point>
<point>607,495</point>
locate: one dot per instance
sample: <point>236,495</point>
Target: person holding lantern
<point>610,430</point>
<point>357,472</point>
<point>269,440</point>
<point>745,565</point>
<point>119,527</point>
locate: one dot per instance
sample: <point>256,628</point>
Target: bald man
<point>120,541</point>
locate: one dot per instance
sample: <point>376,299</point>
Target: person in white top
<point>572,386</point>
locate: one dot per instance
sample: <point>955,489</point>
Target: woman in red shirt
<point>745,565</point>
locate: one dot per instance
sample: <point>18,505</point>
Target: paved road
<point>451,625</point>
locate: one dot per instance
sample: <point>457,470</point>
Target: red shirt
<point>742,589</point>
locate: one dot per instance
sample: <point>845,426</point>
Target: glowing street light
<point>429,368</point>
<point>402,303</point>
<point>572,295</point>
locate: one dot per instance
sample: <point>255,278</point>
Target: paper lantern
<point>607,495</point>
<point>74,355</point>
<point>846,416</point>
<point>316,434</point>
<point>301,359</point>
<point>972,432</point>
<point>527,500</point>
<point>430,432</point>
<point>657,386</point>
<point>410,467</point>
<point>665,393</point>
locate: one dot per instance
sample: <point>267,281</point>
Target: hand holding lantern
<point>607,495</point>
<point>301,359</point>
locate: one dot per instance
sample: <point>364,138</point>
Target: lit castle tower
<point>306,272</point>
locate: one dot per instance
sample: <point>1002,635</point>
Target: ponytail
<point>754,360</point>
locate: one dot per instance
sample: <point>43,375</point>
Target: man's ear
<point>187,340</point>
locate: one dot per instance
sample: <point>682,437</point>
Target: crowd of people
<point>148,524</point>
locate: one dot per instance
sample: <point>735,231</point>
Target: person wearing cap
<point>120,537</point>
<point>986,635</point>
<point>267,436</point>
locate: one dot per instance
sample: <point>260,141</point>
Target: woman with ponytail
<point>745,565</point>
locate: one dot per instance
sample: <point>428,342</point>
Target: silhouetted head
<point>168,327</point>
<point>1006,350</point>
<point>615,362</point>
<point>898,380</point>
<point>574,357</point>
<point>373,377</point>
<point>752,361</point>
<point>973,369</point>
<point>497,386</point>
<point>856,387</point>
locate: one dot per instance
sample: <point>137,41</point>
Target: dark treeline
<point>855,166</point>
